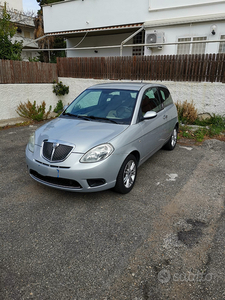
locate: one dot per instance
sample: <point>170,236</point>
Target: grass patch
<point>210,127</point>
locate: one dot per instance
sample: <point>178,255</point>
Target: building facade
<point>15,4</point>
<point>144,27</point>
<point>25,27</point>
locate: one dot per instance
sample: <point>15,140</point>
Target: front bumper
<point>71,175</point>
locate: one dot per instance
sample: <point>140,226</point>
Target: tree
<point>48,42</point>
<point>8,49</point>
<point>43,2</point>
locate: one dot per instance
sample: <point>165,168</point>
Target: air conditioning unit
<point>155,37</point>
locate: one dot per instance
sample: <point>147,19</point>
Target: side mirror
<point>150,115</point>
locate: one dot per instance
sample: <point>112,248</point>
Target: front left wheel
<point>127,175</point>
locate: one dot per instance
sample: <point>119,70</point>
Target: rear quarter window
<point>166,97</point>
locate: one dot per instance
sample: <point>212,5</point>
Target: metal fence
<point>208,67</point>
<point>27,72</point>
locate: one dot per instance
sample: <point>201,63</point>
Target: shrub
<point>187,113</point>
<point>33,111</point>
<point>59,107</point>
<point>34,59</point>
<point>8,49</point>
<point>60,89</point>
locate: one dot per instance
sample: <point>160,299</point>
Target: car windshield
<point>104,105</point>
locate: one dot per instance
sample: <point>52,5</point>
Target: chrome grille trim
<point>56,151</point>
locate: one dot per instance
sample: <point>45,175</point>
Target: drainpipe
<point>130,37</point>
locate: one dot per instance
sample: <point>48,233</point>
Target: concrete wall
<point>78,14</point>
<point>12,94</point>
<point>207,97</point>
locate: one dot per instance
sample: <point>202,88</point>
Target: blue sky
<point>30,5</point>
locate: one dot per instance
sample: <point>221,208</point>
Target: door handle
<point>165,117</point>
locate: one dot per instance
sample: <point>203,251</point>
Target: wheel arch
<point>136,155</point>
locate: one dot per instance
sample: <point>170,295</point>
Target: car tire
<point>127,175</point>
<point>171,144</point>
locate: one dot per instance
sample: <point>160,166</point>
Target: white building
<point>25,26</point>
<point>15,4</point>
<point>100,27</point>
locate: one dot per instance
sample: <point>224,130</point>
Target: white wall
<point>12,94</point>
<point>173,32</point>
<point>155,4</point>
<point>15,4</point>
<point>95,41</point>
<point>78,14</point>
<point>202,95</point>
<point>166,9</point>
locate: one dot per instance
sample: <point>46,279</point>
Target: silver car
<point>102,137</point>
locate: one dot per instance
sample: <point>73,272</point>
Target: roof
<point>94,31</point>
<point>134,85</point>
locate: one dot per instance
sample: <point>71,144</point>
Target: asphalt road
<point>164,240</point>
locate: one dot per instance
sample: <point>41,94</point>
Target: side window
<point>151,101</point>
<point>166,97</point>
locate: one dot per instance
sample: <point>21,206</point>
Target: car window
<point>166,97</point>
<point>151,101</point>
<point>112,104</point>
<point>88,100</point>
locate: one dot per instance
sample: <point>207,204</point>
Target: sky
<point>30,5</point>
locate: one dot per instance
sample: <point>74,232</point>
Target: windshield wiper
<point>68,114</point>
<point>101,118</point>
<point>88,118</point>
<point>76,116</point>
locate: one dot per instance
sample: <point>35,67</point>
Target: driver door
<point>152,130</point>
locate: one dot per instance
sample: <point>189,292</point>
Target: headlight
<point>98,153</point>
<point>31,143</point>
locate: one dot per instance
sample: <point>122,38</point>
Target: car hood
<point>81,133</point>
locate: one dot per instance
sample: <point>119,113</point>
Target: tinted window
<point>166,97</point>
<point>151,101</point>
<point>114,104</point>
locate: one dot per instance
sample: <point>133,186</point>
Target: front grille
<point>55,181</point>
<point>55,151</point>
<point>47,150</point>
